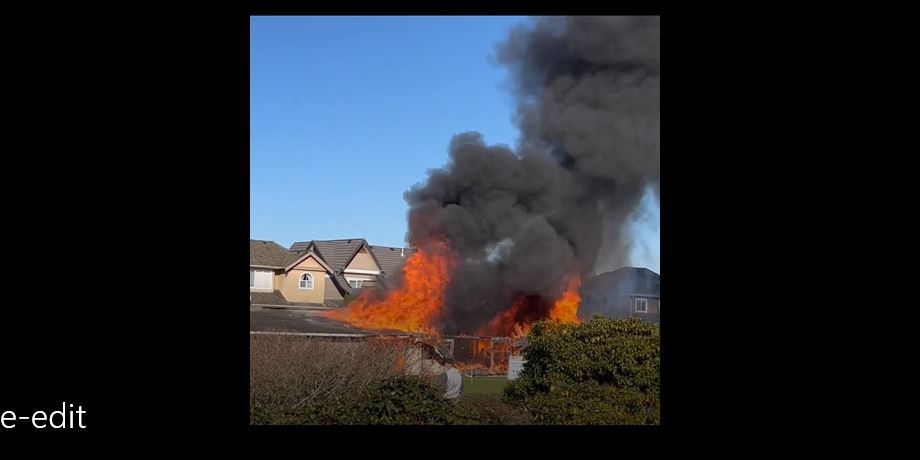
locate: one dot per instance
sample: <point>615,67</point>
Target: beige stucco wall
<point>309,264</point>
<point>362,261</point>
<point>289,284</point>
<point>331,292</point>
<point>290,287</point>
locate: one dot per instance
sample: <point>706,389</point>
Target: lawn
<point>484,394</point>
<point>484,385</point>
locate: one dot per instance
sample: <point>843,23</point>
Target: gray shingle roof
<point>630,280</point>
<point>336,253</point>
<point>276,298</point>
<point>343,284</point>
<point>267,298</point>
<point>266,253</point>
<point>291,257</point>
<point>390,259</point>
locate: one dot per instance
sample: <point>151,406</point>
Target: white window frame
<point>300,282</point>
<point>271,280</point>
<point>645,305</point>
<point>356,283</point>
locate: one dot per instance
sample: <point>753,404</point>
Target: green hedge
<point>600,372</point>
<point>402,400</point>
<point>603,371</point>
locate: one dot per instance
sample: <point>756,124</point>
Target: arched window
<point>306,281</point>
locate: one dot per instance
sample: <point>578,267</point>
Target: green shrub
<point>404,400</point>
<point>488,409</point>
<point>600,372</point>
<point>604,371</point>
<point>593,404</point>
<point>407,400</point>
<point>399,400</point>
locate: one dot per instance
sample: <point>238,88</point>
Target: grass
<point>484,385</point>
<point>484,395</point>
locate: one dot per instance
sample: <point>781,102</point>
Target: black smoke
<point>587,91</point>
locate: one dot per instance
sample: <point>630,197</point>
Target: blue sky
<point>346,113</point>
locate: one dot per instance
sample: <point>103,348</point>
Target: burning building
<point>504,236</point>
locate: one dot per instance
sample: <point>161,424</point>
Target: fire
<point>520,330</point>
<point>415,305</point>
<point>489,355</point>
<point>516,321</point>
<point>507,323</point>
<point>482,346</point>
<point>565,309</point>
<point>400,363</point>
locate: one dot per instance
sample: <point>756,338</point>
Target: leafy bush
<point>593,404</point>
<point>600,372</point>
<point>398,400</point>
<point>405,400</point>
<point>604,371</point>
<point>487,409</point>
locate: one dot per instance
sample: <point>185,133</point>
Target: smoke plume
<point>587,92</point>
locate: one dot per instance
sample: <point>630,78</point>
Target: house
<point>627,292</point>
<point>278,276</point>
<point>319,271</point>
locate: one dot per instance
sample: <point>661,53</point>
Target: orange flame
<point>482,346</point>
<point>516,321</point>
<point>565,309</point>
<point>487,355</point>
<point>507,322</point>
<point>415,305</point>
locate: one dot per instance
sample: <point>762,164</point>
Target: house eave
<point>355,271</point>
